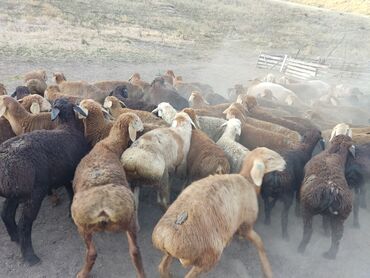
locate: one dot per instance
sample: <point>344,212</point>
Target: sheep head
<point>193,116</point>
<point>6,103</point>
<point>234,125</point>
<point>35,104</point>
<point>120,91</point>
<point>128,121</point>
<point>158,82</point>
<point>135,77</point>
<point>170,73</point>
<point>249,102</point>
<point>196,99</point>
<point>235,110</point>
<point>64,110</point>
<point>342,142</point>
<point>111,102</point>
<point>182,119</point>
<point>59,77</point>
<point>20,92</point>
<point>341,128</point>
<point>91,107</point>
<point>165,111</point>
<point>259,162</point>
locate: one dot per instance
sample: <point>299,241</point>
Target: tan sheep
<point>22,121</point>
<point>136,80</point>
<point>157,154</point>
<point>204,218</point>
<point>35,104</point>
<point>103,200</point>
<point>196,101</point>
<point>134,91</point>
<point>52,93</point>
<point>36,74</point>
<point>79,88</point>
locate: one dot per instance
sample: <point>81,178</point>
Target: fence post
<point>283,63</point>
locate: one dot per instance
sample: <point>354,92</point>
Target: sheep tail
<point>329,200</point>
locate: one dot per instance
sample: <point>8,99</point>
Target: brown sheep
<point>6,131</point>
<point>95,125</point>
<point>205,216</point>
<point>325,191</point>
<point>136,80</point>
<point>22,121</point>
<point>103,200</point>
<point>134,91</point>
<point>252,137</point>
<point>36,86</point>
<point>197,101</point>
<point>3,90</point>
<point>52,93</point>
<point>205,157</point>
<point>36,74</point>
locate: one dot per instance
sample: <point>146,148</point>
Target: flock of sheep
<point>279,140</point>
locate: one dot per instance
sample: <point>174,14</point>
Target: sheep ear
<point>257,172</point>
<point>352,150</point>
<point>155,110</point>
<point>2,110</point>
<point>333,134</point>
<point>132,132</point>
<point>35,108</point>
<point>239,100</point>
<point>81,112</point>
<point>107,104</point>
<point>122,103</point>
<point>349,132</point>
<point>193,124</point>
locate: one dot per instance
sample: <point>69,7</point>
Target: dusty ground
<point>209,41</point>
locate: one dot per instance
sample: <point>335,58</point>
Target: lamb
<point>234,151</point>
<point>95,125</point>
<point>204,157</point>
<point>36,86</point>
<point>204,218</point>
<point>22,121</point>
<point>252,137</point>
<point>157,154</point>
<point>114,106</point>
<point>31,165</point>
<point>36,74</point>
<point>158,93</point>
<point>52,93</point>
<point>103,201</point>
<point>20,92</point>
<point>35,104</point>
<point>283,185</point>
<point>3,90</point>
<point>325,191</point>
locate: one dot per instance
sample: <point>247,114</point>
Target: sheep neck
<point>118,110</point>
<point>94,124</point>
<point>117,140</point>
<point>229,133</point>
<point>15,117</point>
<point>308,147</point>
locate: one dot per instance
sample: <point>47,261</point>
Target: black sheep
<point>357,174</point>
<point>283,185</point>
<point>34,163</point>
<point>158,93</point>
<point>20,92</point>
<point>121,92</point>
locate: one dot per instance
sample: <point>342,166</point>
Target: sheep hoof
<point>329,255</point>
<point>32,260</point>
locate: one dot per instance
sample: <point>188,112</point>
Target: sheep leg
<point>267,205</point>
<point>288,201</point>
<point>136,199</point>
<point>307,233</point>
<point>164,191</point>
<point>164,266</point>
<point>135,253</point>
<point>297,204</point>
<point>257,241</point>
<point>70,194</point>
<point>29,213</point>
<point>363,201</point>
<point>90,254</point>
<point>325,225</point>
<point>336,235</point>
<point>356,207</point>
<point>194,272</point>
<point>8,215</point>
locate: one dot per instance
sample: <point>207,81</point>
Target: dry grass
<point>350,6</point>
<point>171,30</point>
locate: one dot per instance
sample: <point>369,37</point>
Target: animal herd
<point>273,140</point>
